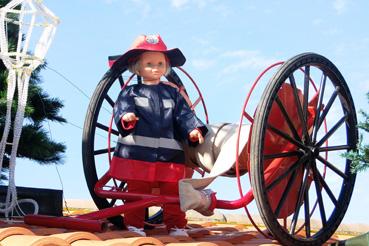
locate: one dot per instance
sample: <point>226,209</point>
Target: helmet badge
<point>152,39</point>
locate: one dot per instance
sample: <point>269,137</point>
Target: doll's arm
<point>189,125</point>
<point>125,112</point>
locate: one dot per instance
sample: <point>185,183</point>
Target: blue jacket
<point>165,120</point>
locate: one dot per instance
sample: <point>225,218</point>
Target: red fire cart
<point>302,125</point>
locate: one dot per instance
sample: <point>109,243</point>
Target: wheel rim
<point>286,147</point>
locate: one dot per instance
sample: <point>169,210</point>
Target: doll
<point>153,118</point>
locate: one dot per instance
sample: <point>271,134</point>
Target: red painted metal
<point>199,92</point>
<point>251,120</point>
<point>93,221</point>
<point>72,223</point>
<point>130,196</point>
<point>121,209</point>
<point>240,203</point>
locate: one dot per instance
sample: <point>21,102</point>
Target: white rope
<point>5,207</point>
<point>20,65</point>
<point>9,101</point>
<point>23,81</point>
<point>19,213</point>
<point>19,44</point>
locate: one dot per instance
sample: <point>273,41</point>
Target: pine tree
<point>360,158</point>
<point>35,142</point>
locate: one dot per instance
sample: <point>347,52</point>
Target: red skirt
<point>127,169</point>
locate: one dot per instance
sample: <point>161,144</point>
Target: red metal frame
<point>133,197</point>
<point>96,221</point>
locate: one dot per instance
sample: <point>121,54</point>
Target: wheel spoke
<point>247,116</point>
<point>319,195</point>
<point>121,185</point>
<point>287,172</point>
<point>319,107</point>
<point>110,101</point>
<point>335,148</point>
<point>281,155</point>
<point>307,213</point>
<point>139,79</point>
<point>103,151</point>
<point>326,187</point>
<point>332,167</point>
<point>285,193</point>
<point>298,104</point>
<point>195,103</point>
<point>288,119</point>
<point>327,108</point>
<point>332,130</point>
<point>112,201</point>
<point>105,128</point>
<point>121,81</point>
<point>286,136</point>
<point>306,99</point>
<point>299,201</point>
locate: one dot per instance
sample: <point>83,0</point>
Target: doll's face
<point>152,65</point>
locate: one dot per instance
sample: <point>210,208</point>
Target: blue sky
<point>226,43</point>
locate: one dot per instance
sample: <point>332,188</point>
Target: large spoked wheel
<point>301,181</point>
<point>95,151</point>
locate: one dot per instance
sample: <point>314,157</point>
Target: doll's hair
<point>134,65</point>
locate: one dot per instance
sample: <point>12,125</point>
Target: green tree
<point>35,143</point>
<point>360,158</point>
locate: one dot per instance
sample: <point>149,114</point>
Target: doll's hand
<point>195,135</point>
<point>128,117</point>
